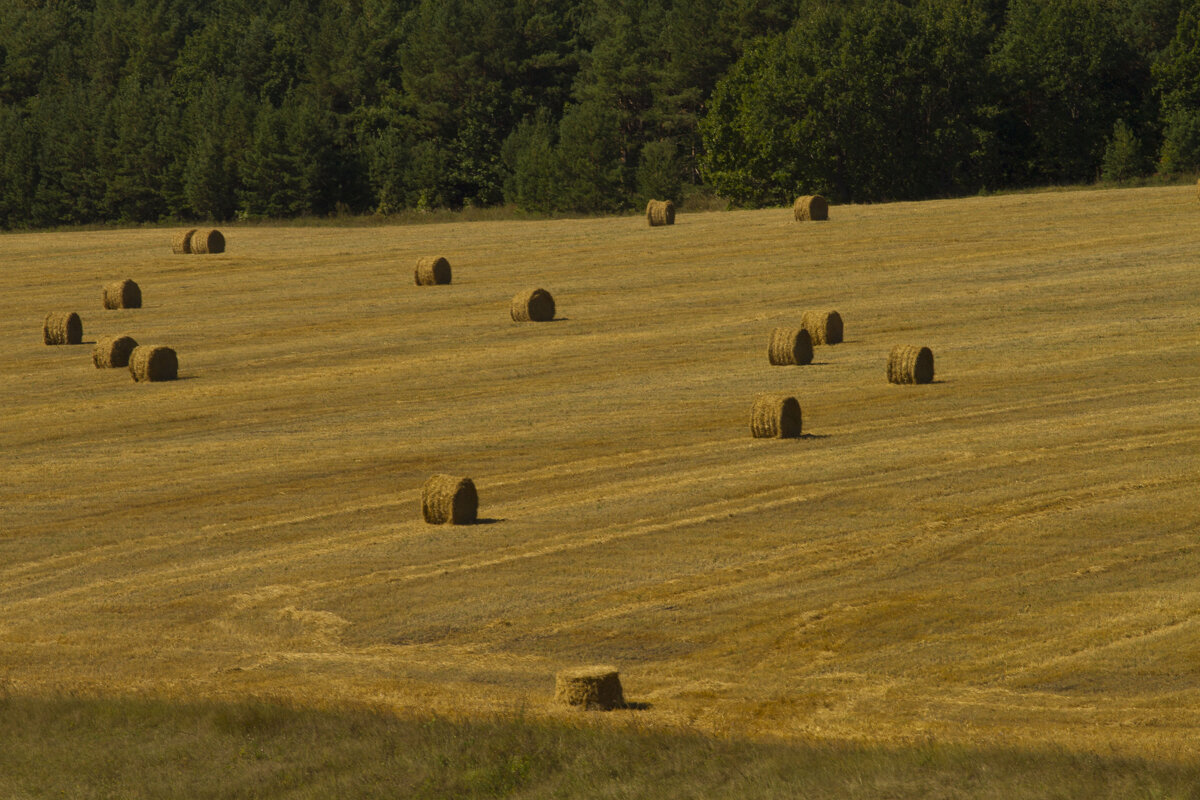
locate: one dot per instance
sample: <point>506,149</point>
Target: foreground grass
<point>82,748</point>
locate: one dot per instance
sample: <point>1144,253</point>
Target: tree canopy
<point>215,109</point>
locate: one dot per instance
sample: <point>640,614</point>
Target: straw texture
<point>910,364</point>
<point>825,326</point>
<point>810,207</point>
<point>775,416</point>
<point>432,271</point>
<point>122,294</point>
<point>62,327</point>
<point>535,305</point>
<point>153,363</point>
<point>449,499</point>
<point>181,243</point>
<point>790,346</point>
<point>589,688</point>
<point>208,241</point>
<point>112,351</point>
<point>660,212</point>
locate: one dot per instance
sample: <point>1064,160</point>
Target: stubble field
<point>1010,554</point>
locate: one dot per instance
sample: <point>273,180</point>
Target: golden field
<point>1009,555</point>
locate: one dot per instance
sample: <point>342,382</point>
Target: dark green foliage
<point>18,176</point>
<point>136,151</point>
<point>217,122</point>
<point>1069,76</point>
<point>877,101</point>
<point>533,167</point>
<point>1178,75</point>
<point>141,110</point>
<point>1123,157</point>
<point>659,172</point>
<point>589,151</point>
<point>574,166</point>
<point>64,125</point>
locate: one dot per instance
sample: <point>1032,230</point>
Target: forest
<point>153,110</point>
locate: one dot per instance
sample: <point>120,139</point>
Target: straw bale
<point>535,305</point>
<point>589,687</point>
<point>910,364</point>
<point>62,327</point>
<point>122,294</point>
<point>112,351</point>
<point>446,498</point>
<point>775,416</point>
<point>825,326</point>
<point>153,363</point>
<point>432,271</point>
<point>182,242</point>
<point>790,346</point>
<point>660,212</point>
<point>208,241</point>
<point>810,207</point>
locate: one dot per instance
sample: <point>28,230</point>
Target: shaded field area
<point>1006,555</point>
<point>147,749</point>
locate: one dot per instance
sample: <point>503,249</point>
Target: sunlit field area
<point>1007,556</point>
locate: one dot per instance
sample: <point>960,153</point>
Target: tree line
<point>142,110</point>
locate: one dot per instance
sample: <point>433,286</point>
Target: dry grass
<point>140,749</point>
<point>1008,555</point>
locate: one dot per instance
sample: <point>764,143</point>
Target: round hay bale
<point>153,363</point>
<point>660,212</point>
<point>122,294</point>
<point>825,327</point>
<point>910,364</point>
<point>445,498</point>
<point>775,416</point>
<point>432,271</point>
<point>790,346</point>
<point>589,687</point>
<point>810,207</point>
<point>113,351</point>
<point>208,241</point>
<point>182,242</point>
<point>62,327</point>
<point>535,305</point>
